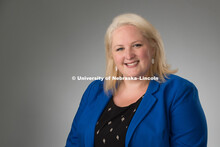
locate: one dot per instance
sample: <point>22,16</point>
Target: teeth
<point>134,63</point>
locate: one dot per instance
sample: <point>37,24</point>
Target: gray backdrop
<point>45,42</point>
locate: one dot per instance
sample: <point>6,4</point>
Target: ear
<point>153,51</point>
<point>153,47</point>
<point>110,55</point>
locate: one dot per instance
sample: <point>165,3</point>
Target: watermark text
<point>90,78</point>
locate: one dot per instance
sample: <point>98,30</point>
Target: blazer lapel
<point>95,111</point>
<point>144,108</point>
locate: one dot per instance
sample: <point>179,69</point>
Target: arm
<point>188,123</point>
<point>73,140</point>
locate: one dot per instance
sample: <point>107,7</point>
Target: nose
<point>129,54</point>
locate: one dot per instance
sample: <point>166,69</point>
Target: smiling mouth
<point>132,64</point>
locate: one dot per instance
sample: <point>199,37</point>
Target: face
<point>131,51</point>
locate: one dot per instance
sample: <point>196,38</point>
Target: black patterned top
<point>112,126</point>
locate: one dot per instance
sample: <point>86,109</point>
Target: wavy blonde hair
<point>160,67</point>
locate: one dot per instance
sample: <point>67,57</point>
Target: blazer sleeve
<point>188,122</point>
<point>73,138</point>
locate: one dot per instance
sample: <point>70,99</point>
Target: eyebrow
<point>131,43</point>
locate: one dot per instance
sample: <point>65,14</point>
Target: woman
<point>135,112</point>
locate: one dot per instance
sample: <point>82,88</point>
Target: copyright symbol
<point>73,78</point>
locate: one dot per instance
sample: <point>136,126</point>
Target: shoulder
<point>175,87</point>
<point>177,82</point>
<point>91,92</point>
<point>178,90</point>
<point>95,86</point>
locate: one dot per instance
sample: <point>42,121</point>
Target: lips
<point>132,64</point>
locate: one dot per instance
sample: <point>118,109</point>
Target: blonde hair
<point>160,68</point>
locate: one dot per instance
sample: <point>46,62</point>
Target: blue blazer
<point>170,114</point>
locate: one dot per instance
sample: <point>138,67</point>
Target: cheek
<point>117,59</point>
<point>145,55</point>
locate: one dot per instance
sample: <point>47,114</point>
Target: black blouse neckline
<point>111,128</point>
<point>124,107</point>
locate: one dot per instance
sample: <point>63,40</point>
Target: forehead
<point>126,33</point>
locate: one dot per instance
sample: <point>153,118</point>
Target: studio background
<point>44,43</point>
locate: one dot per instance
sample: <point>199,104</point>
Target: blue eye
<point>137,45</point>
<point>119,49</point>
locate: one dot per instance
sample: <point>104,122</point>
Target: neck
<point>135,84</point>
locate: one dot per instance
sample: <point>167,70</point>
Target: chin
<point>131,75</point>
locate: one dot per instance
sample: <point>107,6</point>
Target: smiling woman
<point>142,38</point>
<point>131,51</point>
<point>140,112</point>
